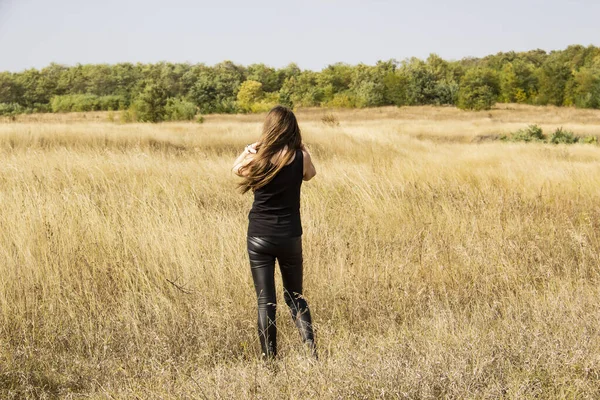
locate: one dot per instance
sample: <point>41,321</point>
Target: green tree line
<point>168,91</point>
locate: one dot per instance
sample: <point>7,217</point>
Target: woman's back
<point>276,207</point>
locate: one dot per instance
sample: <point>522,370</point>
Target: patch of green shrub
<point>112,102</point>
<point>11,109</point>
<point>179,110</point>
<point>251,98</point>
<point>561,135</point>
<point>250,93</point>
<point>129,115</point>
<point>342,100</point>
<point>478,89</point>
<point>150,104</point>
<point>590,140</point>
<point>86,102</point>
<point>533,133</point>
<point>268,101</point>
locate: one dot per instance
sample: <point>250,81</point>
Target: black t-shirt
<point>276,207</point>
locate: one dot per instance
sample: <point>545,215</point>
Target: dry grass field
<point>438,263</point>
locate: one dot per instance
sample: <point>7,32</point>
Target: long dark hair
<point>280,129</point>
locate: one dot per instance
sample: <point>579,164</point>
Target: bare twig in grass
<point>179,287</point>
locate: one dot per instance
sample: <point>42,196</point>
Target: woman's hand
<point>244,158</point>
<point>251,148</point>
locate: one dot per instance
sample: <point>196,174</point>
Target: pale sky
<point>311,33</point>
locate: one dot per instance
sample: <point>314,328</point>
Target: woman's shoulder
<point>296,158</point>
<point>304,154</point>
<point>298,154</point>
<point>299,157</point>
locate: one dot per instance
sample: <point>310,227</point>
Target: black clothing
<point>276,207</point>
<point>275,233</point>
<point>262,252</point>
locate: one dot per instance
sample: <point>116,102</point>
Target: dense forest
<point>172,91</point>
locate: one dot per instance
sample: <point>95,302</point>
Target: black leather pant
<point>262,252</point>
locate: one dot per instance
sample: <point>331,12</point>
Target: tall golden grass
<point>437,265</point>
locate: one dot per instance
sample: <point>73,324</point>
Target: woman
<point>274,168</point>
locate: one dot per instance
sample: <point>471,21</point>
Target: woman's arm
<point>309,168</point>
<point>244,159</point>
